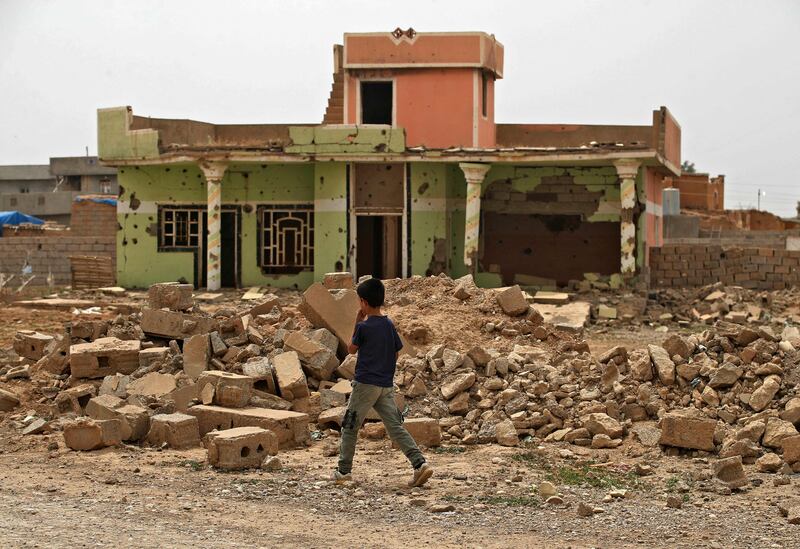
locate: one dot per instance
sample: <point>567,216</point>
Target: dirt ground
<point>134,497</point>
<point>487,495</point>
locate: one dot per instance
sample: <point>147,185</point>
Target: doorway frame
<point>237,252</point>
<point>353,214</point>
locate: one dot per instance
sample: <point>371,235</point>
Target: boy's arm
<point>352,348</point>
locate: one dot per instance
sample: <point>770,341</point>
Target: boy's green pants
<point>363,398</point>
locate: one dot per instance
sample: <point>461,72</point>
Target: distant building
<point>699,191</point>
<point>48,190</point>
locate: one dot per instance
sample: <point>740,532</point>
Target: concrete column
<point>627,171</point>
<point>474,174</point>
<point>213,172</point>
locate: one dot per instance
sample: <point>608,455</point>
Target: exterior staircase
<point>334,113</point>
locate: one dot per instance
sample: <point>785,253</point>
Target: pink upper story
<point>442,84</point>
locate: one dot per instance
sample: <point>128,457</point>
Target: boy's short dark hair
<point>372,291</point>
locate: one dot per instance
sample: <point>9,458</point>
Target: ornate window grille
<point>180,227</point>
<point>286,234</point>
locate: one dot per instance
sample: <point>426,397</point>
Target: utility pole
<point>759,200</point>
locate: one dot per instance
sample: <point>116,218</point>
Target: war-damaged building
<point>408,174</point>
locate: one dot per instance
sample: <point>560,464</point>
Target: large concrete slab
<point>174,325</point>
<point>571,316</point>
<point>291,428</point>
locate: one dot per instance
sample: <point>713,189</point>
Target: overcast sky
<point>728,70</point>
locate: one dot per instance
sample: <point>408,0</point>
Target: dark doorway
<point>376,102</point>
<point>230,249</point>
<point>379,250</point>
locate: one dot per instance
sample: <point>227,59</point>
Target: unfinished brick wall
<point>46,254</point>
<point>676,266</point>
<point>91,218</point>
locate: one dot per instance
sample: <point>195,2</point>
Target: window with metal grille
<point>180,228</point>
<point>286,238</point>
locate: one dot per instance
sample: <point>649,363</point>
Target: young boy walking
<point>377,343</point>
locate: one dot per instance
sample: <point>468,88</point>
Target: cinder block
<point>90,434</point>
<point>104,356</point>
<point>175,325</point>
<point>229,389</point>
<point>176,430</point>
<point>240,447</point>
<point>30,344</point>
<point>170,295</point>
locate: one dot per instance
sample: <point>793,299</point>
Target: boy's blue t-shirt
<point>378,344</point>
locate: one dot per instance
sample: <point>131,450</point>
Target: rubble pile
<point>730,389</point>
<point>479,366</point>
<point>704,305</point>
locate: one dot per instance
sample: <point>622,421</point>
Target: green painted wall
<point>139,263</point>
<point>330,218</point>
<point>428,217</point>
<point>115,140</point>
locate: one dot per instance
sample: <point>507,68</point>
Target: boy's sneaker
<point>339,476</point>
<point>421,475</point>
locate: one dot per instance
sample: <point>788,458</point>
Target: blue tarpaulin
<point>110,201</point>
<point>17,218</point>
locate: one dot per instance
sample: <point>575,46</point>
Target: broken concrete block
<point>153,384</point>
<point>230,389</point>
<point>456,384</point>
<point>336,313</point>
<point>512,301</point>
<point>318,361</point>
<point>556,298</point>
<point>240,447</point>
<point>262,373</point>
<point>218,347</point>
<point>291,428</point>
<point>8,400</point>
<point>182,397</point>
<point>291,379</point>
<point>424,430</point>
<point>604,311</point>
<point>170,295</point>
<point>88,329</point>
<point>663,364</point>
<point>763,395</point>
<point>331,417</point>
<point>176,430</point>
<point>74,399</point>
<point>730,471</point>
<point>325,338</point>
<point>347,369</point>
<point>30,344</point>
<point>175,325</point>
<point>116,385</point>
<point>90,434</point>
<point>338,281</point>
<point>331,399</point>
<point>777,430</point>
<point>151,355</point>
<point>135,421</point>
<point>56,359</point>
<point>196,355</point>
<point>36,427</point>
<point>265,306</point>
<point>683,431</point>
<point>104,356</point>
<point>791,449</point>
<point>599,423</point>
<point>677,345</point>
<point>266,400</point>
